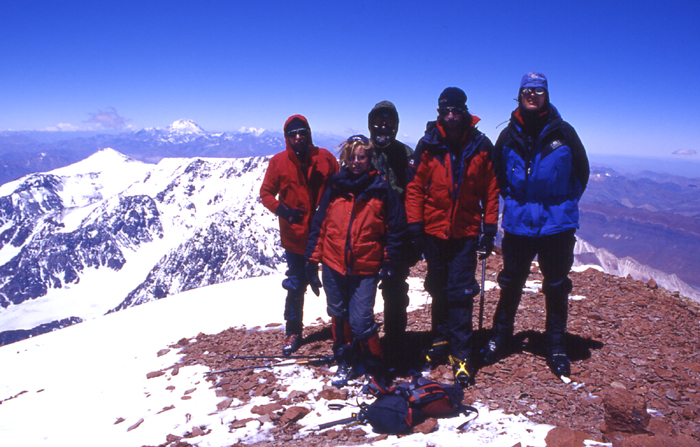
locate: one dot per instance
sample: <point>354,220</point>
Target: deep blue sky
<point>626,74</point>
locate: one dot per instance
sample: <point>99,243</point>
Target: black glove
<point>486,239</point>
<point>311,270</point>
<point>417,243</point>
<point>388,272</point>
<point>291,215</point>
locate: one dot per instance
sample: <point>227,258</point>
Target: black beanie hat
<point>453,97</point>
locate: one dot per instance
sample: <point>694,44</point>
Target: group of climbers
<point>367,220</point>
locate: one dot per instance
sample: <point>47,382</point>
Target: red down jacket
<point>445,206</point>
<point>358,226</point>
<point>299,187</point>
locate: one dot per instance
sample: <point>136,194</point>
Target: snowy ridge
<point>586,254</point>
<point>125,233</point>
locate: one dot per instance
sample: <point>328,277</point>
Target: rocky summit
<point>635,368</point>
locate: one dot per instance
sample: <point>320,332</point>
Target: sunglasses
<point>444,111</point>
<point>353,158</point>
<point>539,91</point>
<point>294,133</point>
<point>361,138</point>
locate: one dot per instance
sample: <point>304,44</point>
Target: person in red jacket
<point>298,177</point>
<point>452,211</point>
<point>356,234</point>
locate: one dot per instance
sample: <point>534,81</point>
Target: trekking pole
<point>271,365</point>
<point>351,421</point>
<point>483,284</point>
<point>315,357</point>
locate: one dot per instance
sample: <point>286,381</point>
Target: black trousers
<point>555,254</point>
<point>452,284</point>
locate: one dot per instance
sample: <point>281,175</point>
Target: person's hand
<point>388,272</point>
<point>485,247</point>
<point>311,270</point>
<point>417,243</point>
<point>291,215</point>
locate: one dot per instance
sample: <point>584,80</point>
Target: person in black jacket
<point>391,158</point>
<point>542,171</point>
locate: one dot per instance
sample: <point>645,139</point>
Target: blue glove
<point>291,215</point>
<point>311,270</point>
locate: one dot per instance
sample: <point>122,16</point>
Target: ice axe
<point>483,284</point>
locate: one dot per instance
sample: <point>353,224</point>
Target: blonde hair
<point>350,145</point>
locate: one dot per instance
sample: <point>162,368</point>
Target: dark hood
<point>381,107</point>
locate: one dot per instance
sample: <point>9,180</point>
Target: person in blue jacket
<point>542,170</point>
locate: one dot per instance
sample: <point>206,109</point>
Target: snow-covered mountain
<point>22,153</point>
<point>123,232</point>
<point>110,232</point>
<point>586,254</point>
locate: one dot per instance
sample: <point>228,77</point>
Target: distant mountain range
<point>26,152</point>
<point>649,217</point>
<point>110,232</point>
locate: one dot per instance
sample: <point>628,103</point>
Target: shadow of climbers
<point>576,347</point>
<point>323,334</point>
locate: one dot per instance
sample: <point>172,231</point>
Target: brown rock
<point>659,427</point>
<point>172,438</point>
<point>139,422</point>
<point>646,441</point>
<point>153,374</point>
<point>266,409</point>
<point>625,411</point>
<point>224,404</point>
<point>427,426</point>
<point>652,284</point>
<point>293,414</point>
<point>565,437</point>
<point>333,393</point>
<point>240,423</point>
<point>196,431</point>
<point>162,352</point>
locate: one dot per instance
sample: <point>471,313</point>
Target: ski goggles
<point>539,91</point>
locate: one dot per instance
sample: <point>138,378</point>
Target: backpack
<point>401,407</point>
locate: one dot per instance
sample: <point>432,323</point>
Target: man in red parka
<point>293,185</point>
<point>452,210</point>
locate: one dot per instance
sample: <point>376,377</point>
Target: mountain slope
<point>159,229</point>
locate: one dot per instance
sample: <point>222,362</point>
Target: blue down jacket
<point>542,179</point>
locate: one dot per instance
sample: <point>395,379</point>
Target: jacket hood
<point>286,125</point>
<point>383,107</point>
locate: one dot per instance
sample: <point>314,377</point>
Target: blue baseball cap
<point>534,79</point>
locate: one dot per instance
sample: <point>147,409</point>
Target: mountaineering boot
<point>559,364</point>
<point>291,344</point>
<point>342,375</point>
<point>463,371</point>
<point>495,350</point>
<point>373,358</point>
<point>437,352</point>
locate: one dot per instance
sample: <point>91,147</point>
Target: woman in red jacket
<point>356,234</point>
